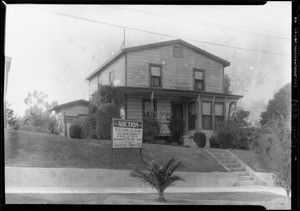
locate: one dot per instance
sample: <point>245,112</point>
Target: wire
<point>210,25</point>
<point>55,42</point>
<point>150,32</point>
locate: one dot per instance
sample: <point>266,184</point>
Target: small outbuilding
<point>68,112</point>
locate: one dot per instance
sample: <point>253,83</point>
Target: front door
<point>177,111</point>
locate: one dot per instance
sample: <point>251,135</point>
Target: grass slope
<point>32,149</point>
<point>258,162</point>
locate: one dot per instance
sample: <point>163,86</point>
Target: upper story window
<point>155,75</point>
<point>199,79</point>
<point>178,51</point>
<point>111,78</point>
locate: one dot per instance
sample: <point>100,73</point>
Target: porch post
<point>152,101</point>
<point>198,122</point>
<point>213,113</point>
<point>225,109</point>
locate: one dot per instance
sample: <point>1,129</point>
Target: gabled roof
<point>72,103</point>
<point>154,45</point>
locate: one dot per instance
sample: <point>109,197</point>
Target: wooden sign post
<point>126,134</point>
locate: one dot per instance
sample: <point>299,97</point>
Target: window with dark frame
<point>178,51</point>
<point>219,115</point>
<point>155,74</point>
<point>147,107</point>
<point>206,116</point>
<point>199,79</point>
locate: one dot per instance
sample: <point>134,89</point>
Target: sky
<point>55,47</point>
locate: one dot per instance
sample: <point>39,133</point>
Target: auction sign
<point>127,133</point>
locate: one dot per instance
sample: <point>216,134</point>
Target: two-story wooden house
<point>173,78</point>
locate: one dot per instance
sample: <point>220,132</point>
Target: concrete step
<point>247,182</point>
<point>243,178</point>
<point>223,156</point>
<point>226,160</point>
<point>233,165</point>
<point>244,173</point>
<point>237,169</point>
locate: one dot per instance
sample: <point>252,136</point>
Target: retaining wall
<point>76,177</point>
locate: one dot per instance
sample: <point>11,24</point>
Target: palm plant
<point>159,176</point>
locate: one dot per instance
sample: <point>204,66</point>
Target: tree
<point>38,113</point>
<point>106,94</point>
<point>279,106</point>
<point>275,141</point>
<point>227,84</point>
<point>159,176</point>
<point>12,120</point>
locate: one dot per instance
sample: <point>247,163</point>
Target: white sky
<point>53,53</point>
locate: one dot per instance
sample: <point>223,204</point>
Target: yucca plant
<point>159,176</point>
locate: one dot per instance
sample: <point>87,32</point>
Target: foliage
<point>214,142</point>
<point>227,84</point>
<point>76,128</point>
<point>159,176</point>
<point>38,113</point>
<point>104,115</point>
<point>176,128</point>
<point>53,126</point>
<point>274,140</point>
<point>200,139</point>
<point>106,94</point>
<point>279,106</point>
<point>12,120</point>
<point>236,133</point>
<point>88,130</point>
<point>151,129</point>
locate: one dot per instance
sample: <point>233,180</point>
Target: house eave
<point>177,92</point>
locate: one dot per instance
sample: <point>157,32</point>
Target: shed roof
<point>120,53</point>
<point>69,104</point>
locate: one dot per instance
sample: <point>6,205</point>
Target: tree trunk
<point>161,197</point>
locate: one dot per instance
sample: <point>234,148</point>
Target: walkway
<point>248,188</point>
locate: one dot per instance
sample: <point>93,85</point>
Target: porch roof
<point>176,92</point>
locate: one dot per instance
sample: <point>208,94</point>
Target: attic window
<point>178,51</point>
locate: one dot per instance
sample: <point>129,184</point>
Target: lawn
<point>33,149</point>
<point>258,162</point>
<point>268,200</point>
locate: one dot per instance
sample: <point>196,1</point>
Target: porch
<point>199,111</point>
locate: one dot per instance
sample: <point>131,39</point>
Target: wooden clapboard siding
<point>118,67</point>
<point>177,73</point>
<point>93,85</point>
<point>164,106</point>
<point>134,108</point>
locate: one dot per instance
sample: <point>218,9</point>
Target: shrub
<point>200,139</point>
<point>150,129</point>
<point>104,116</point>
<point>53,126</point>
<point>76,128</point>
<point>214,142</point>
<point>89,128</point>
<point>176,129</point>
